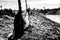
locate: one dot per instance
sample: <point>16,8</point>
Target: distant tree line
<point>8,12</point>
<point>55,11</point>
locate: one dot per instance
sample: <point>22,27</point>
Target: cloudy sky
<point>9,4</point>
<point>31,3</point>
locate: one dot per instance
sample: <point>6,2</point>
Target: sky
<point>40,4</point>
<point>9,4</point>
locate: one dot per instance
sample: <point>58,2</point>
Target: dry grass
<point>41,29</point>
<point>6,26</point>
